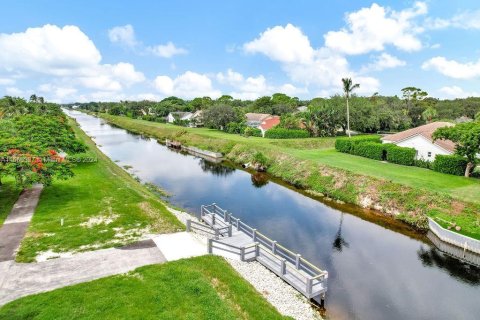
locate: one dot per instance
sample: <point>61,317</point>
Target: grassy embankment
<point>198,288</point>
<point>102,206</point>
<point>9,193</point>
<point>406,193</point>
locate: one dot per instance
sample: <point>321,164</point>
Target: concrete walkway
<point>22,279</point>
<point>15,226</point>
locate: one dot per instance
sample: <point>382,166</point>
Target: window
<point>429,154</point>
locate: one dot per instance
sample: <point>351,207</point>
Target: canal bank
<point>374,272</point>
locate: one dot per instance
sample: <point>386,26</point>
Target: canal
<point>377,269</point>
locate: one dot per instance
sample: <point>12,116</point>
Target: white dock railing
<point>291,267</point>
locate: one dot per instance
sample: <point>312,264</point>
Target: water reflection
<point>259,179</point>
<point>375,272</point>
<point>215,168</point>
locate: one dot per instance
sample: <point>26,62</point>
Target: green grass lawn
<point>198,288</point>
<point>102,206</point>
<point>9,193</point>
<point>467,189</point>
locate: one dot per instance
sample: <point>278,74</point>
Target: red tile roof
<point>426,131</point>
<point>269,123</point>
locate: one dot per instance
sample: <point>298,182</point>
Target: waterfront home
<point>420,138</point>
<point>262,121</point>
<point>184,116</point>
<point>269,123</point>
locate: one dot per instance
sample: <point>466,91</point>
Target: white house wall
<point>423,147</point>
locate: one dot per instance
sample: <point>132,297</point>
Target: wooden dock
<point>228,234</point>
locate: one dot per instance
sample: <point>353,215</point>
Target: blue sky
<point>114,50</point>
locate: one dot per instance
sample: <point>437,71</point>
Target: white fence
<point>459,240</point>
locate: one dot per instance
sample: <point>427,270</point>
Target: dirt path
<point>15,226</point>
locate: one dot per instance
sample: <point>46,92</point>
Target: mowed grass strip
<point>101,206</point>
<point>9,193</point>
<point>199,288</point>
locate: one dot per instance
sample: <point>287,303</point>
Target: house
<point>269,123</point>
<point>463,119</point>
<point>197,119</point>
<point>420,138</point>
<point>302,109</point>
<point>184,116</point>
<point>262,121</point>
<point>256,119</point>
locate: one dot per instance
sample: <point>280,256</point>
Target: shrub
<point>423,164</point>
<point>372,150</point>
<point>400,155</point>
<point>252,132</point>
<point>235,127</point>
<point>282,133</point>
<point>453,164</point>
<point>346,145</point>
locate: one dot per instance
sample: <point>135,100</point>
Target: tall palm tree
<point>348,87</point>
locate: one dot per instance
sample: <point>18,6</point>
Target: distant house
<point>463,119</point>
<point>262,121</point>
<point>268,124</point>
<point>256,119</point>
<point>420,138</point>
<point>184,116</point>
<point>197,119</point>
<point>302,109</point>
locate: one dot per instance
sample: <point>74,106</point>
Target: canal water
<point>377,270</point>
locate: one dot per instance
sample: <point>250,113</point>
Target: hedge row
<point>282,133</point>
<point>346,145</point>
<point>371,147</point>
<point>453,164</point>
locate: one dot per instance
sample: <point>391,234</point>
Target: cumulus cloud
<point>125,35</point>
<point>166,50</point>
<point>187,85</point>
<point>66,53</point>
<point>453,68</point>
<point>456,92</point>
<point>284,44</point>
<point>304,64</point>
<point>464,20</point>
<point>13,91</point>
<point>250,88</point>
<point>384,61</point>
<point>371,29</point>
<point>6,81</point>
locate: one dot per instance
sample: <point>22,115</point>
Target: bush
<point>453,164</point>
<point>423,164</point>
<point>252,132</point>
<point>400,155</point>
<point>235,127</point>
<point>372,150</point>
<point>282,133</point>
<point>346,144</point>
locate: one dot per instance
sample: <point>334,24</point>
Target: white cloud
<point>251,88</point>
<point>6,81</point>
<point>66,53</point>
<point>124,35</point>
<point>321,67</point>
<point>384,61</point>
<point>456,92</point>
<point>285,44</point>
<point>187,85</point>
<point>371,29</point>
<point>167,50</point>
<point>463,20</point>
<point>452,68</point>
<point>49,50</point>
<point>13,91</point>
<point>56,93</point>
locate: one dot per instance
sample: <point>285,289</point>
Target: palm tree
<point>348,87</point>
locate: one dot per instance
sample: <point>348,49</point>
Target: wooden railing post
<point>188,225</point>
<point>213,219</point>
<point>210,246</point>
<point>254,235</point>
<point>309,286</point>
<point>283,267</point>
<point>225,216</point>
<point>242,254</point>
<point>297,261</point>
<point>274,247</point>
<point>257,249</point>
<point>217,234</point>
<point>229,230</point>
<point>238,224</point>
